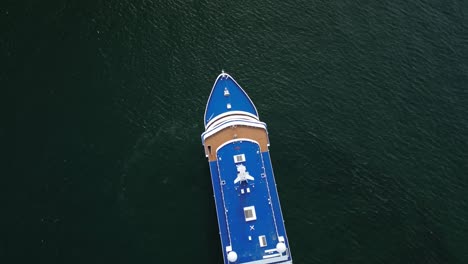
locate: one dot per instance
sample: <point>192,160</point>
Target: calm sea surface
<point>366,103</point>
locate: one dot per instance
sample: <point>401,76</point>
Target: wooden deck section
<point>213,142</point>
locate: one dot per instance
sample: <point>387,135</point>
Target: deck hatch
<point>249,213</point>
<point>239,158</point>
<point>262,240</point>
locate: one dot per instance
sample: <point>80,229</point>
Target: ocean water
<point>366,104</point>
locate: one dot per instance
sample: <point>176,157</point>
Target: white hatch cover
<point>262,240</point>
<point>239,158</point>
<point>249,213</point>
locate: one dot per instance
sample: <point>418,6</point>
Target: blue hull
<point>247,204</point>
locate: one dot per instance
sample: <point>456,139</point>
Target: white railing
<point>224,203</point>
<point>269,194</point>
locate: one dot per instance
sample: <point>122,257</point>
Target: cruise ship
<point>250,221</point>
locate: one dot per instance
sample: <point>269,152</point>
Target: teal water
<point>366,103</point>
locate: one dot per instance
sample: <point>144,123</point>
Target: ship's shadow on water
<point>353,211</point>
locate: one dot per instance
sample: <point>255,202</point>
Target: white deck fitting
<point>242,174</point>
<point>272,256</point>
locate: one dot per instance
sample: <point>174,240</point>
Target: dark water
<point>366,102</point>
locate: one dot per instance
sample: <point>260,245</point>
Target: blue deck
<point>235,230</point>
<point>238,99</point>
